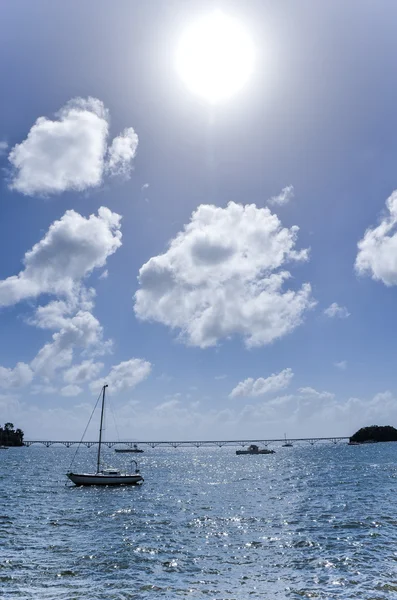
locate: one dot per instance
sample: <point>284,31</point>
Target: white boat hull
<point>103,479</point>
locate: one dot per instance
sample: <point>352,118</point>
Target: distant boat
<point>134,449</point>
<point>287,444</point>
<point>107,476</point>
<point>3,447</point>
<point>253,449</point>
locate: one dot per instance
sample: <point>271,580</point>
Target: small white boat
<point>106,476</point>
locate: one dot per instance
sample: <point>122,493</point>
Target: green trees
<point>10,436</point>
<point>375,433</point>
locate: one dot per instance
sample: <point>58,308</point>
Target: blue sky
<point>215,344</point>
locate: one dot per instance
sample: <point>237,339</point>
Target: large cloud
<point>259,387</point>
<point>221,276</point>
<point>125,375</point>
<point>71,152</point>
<point>69,251</point>
<point>377,251</point>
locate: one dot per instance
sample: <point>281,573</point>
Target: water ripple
<point>308,522</point>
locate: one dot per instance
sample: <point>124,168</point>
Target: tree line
<point>375,433</point>
<point>10,436</point>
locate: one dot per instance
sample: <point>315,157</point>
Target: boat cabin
<point>253,448</point>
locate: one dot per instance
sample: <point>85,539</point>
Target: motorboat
<point>134,449</point>
<point>254,449</point>
<point>105,476</point>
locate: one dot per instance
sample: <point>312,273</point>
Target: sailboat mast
<point>100,429</point>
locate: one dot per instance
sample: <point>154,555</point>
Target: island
<point>374,433</point>
<point>10,436</point>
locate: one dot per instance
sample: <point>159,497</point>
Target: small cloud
<point>334,310</point>
<point>121,152</point>
<point>3,148</point>
<point>309,392</point>
<point>342,365</point>
<point>219,377</point>
<point>144,187</point>
<point>284,196</point>
<point>104,274</point>
<point>257,387</point>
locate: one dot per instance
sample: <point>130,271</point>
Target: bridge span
<point>190,443</point>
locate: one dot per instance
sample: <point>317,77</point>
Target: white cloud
<point>69,251</point>
<point>3,147</point>
<point>334,310</point>
<point>69,153</point>
<point>284,196</point>
<point>83,372</point>
<point>121,152</point>
<point>71,390</point>
<point>377,251</point>
<point>220,277</point>
<point>259,387</point>
<point>342,365</point>
<point>145,186</point>
<point>125,375</point>
<point>298,416</point>
<point>104,274</point>
<point>20,376</point>
<point>82,330</point>
<point>309,392</point>
<point>219,377</point>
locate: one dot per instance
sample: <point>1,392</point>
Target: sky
<point>228,268</point>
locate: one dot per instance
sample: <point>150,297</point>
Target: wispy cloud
<point>3,147</point>
<point>259,387</point>
<point>342,365</point>
<point>283,197</point>
<point>334,310</point>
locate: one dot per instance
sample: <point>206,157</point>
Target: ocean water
<point>307,522</point>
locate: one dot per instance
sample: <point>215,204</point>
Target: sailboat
<point>105,476</point>
<point>286,444</point>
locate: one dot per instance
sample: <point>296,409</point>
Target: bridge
<point>190,443</point>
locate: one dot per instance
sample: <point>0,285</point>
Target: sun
<point>215,57</point>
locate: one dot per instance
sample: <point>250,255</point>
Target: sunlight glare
<point>215,57</point>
